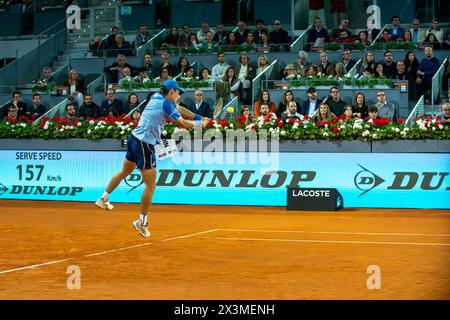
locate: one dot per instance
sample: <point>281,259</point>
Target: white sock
<point>143,217</point>
<point>105,195</point>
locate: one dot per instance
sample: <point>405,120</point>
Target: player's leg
<point>149,178</point>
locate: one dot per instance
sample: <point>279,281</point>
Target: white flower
<point>406,129</point>
<point>92,122</point>
<point>370,121</point>
<point>96,128</point>
<point>305,126</point>
<point>326,125</point>
<point>7,123</point>
<point>434,129</point>
<point>102,127</point>
<point>62,129</point>
<point>325,134</point>
<point>146,80</point>
<point>342,127</point>
<point>110,127</point>
<point>89,131</point>
<point>441,126</point>
<point>23,125</point>
<point>283,133</point>
<point>122,132</point>
<point>79,124</point>
<point>357,126</point>
<point>231,125</point>
<point>164,132</point>
<point>397,130</point>
<point>45,127</point>
<point>374,136</point>
<point>366,133</point>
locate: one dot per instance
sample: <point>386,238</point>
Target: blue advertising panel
<point>371,180</point>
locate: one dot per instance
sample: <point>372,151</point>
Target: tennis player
<point>141,150</point>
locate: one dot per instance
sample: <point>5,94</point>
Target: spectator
<point>279,37</point>
<point>11,115</point>
<point>172,39</point>
<point>362,38</point>
<point>359,106</point>
<point>115,71</point>
<point>89,109</point>
<point>401,71</point>
<point>121,47</point>
<point>246,73</point>
<point>97,45</point>
<point>339,71</point>
<point>310,105</point>
<point>344,37</point>
<point>347,113</point>
<point>111,39</point>
<point>147,64</point>
<point>218,71</point>
<point>379,71</point>
<point>265,113</point>
<point>324,113</point>
<point>199,106</point>
<point>343,26</point>
<point>396,31</point>
<point>185,38</point>
<point>427,69</point>
<point>313,71</point>
<point>445,114</point>
<point>385,109</point>
<point>142,76</point>
<point>251,40</point>
<point>76,88</point>
<point>204,75</point>
<point>259,31</point>
<point>368,62</point>
<point>263,64</point>
<point>318,32</point>
<point>411,65</point>
<point>183,65</point>
<point>136,115</point>
<point>241,33</point>
<point>245,112</point>
<point>231,40</point>
<point>111,103</point>
<point>111,113</point>
<point>386,36</point>
<point>264,98</point>
<point>201,34</point>
<point>432,41</point>
<point>389,67</point>
<point>291,112</point>
<point>208,44</point>
<point>436,30</point>
<point>163,75</point>
<point>233,81</point>
<point>264,46</point>
<point>142,37</point>
<point>166,64</point>
<point>36,109</point>
<point>289,73</point>
<point>288,96</point>
<point>372,113</point>
<point>371,32</point>
<point>407,37</point>
<point>347,60</point>
<point>22,107</point>
<point>70,112</point>
<point>46,79</point>
<point>418,35</point>
<point>334,101</point>
<point>193,42</point>
<point>316,11</point>
<point>326,68</point>
<point>189,74</point>
<point>220,36</point>
<point>301,65</point>
<point>126,77</point>
<point>367,74</point>
<point>132,103</point>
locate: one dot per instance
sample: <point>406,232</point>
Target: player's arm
<point>172,112</point>
<point>186,113</point>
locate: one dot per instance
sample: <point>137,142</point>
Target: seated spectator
<point>347,60</point>
<point>389,66</point>
<point>208,44</point>
<point>279,38</point>
<point>265,113</point>
<point>263,64</point>
<point>325,67</point>
<point>142,76</point>
<point>407,37</point>
<point>70,115</point>
<point>36,109</point>
<point>111,113</point>
<point>368,62</point>
<point>347,113</point>
<point>264,46</point>
<point>189,74</point>
<point>264,98</point>
<point>204,75</point>
<point>359,106</point>
<point>301,65</point>
<point>323,113</point>
<point>245,112</point>
<point>334,101</point>
<point>148,65</point>
<point>401,71</point>
<point>318,32</point>
<point>386,36</point>
<point>126,76</point>
<point>220,36</point>
<point>362,38</point>
<point>142,37</point>
<point>136,115</point>
<point>199,106</point>
<point>89,109</point>
<point>111,39</point>
<point>436,30</point>
<point>185,38</point>
<point>132,103</point>
<point>46,79</point>
<point>201,34</point>
<point>11,114</point>
<point>250,41</point>
<point>182,66</point>
<point>22,107</point>
<point>372,113</point>
<point>339,71</point>
<point>121,47</point>
<point>76,88</point>
<point>411,65</point>
<point>289,73</point>
<point>218,71</point>
<point>343,26</point>
<point>367,74</point>
<point>115,71</point>
<point>432,41</point>
<point>379,71</point>
<point>344,37</point>
<point>97,44</point>
<point>111,102</point>
<point>418,35</point>
<point>385,109</point>
<point>233,81</point>
<point>396,31</point>
<point>231,40</point>
<point>310,106</point>
<point>371,32</point>
<point>166,64</point>
<point>163,76</point>
<point>260,30</point>
<point>291,112</point>
<point>246,73</point>
<point>427,69</point>
<point>445,114</point>
<point>288,96</point>
<point>171,40</point>
<point>193,42</point>
<point>313,71</point>
<point>241,33</point>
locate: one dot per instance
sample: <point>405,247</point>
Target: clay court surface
<point>217,252</point>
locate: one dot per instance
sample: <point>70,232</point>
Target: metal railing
<point>224,114</point>
<point>257,81</point>
<point>101,80</point>
<point>53,111</point>
<point>298,44</point>
<point>379,35</point>
<point>354,71</point>
<point>148,46</point>
<point>436,86</point>
<point>181,73</point>
<point>138,108</point>
<point>418,110</point>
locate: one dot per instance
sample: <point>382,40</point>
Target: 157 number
<point>30,171</point>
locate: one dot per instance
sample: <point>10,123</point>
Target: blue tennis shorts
<point>143,154</point>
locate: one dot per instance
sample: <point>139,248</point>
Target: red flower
<point>45,118</point>
<point>342,117</point>
<point>367,118</point>
<point>90,119</point>
<point>135,125</point>
<point>327,123</point>
<point>59,125</point>
<point>210,124</point>
<point>400,120</point>
<point>318,123</point>
<point>128,120</point>
<point>42,125</point>
<point>56,119</point>
<point>421,116</point>
<point>169,120</point>
<point>438,118</point>
<point>335,119</point>
<point>280,124</point>
<point>336,130</point>
<point>291,120</point>
<point>239,126</point>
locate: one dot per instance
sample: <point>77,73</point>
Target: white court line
<point>343,232</point>
<point>330,241</point>
<point>35,266</point>
<point>190,235</point>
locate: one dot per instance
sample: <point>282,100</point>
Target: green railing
<point>379,35</point>
<point>436,82</point>
<point>418,110</point>
<point>59,109</point>
<point>100,82</point>
<point>354,71</point>
<point>138,108</point>
<point>298,44</point>
<point>148,46</point>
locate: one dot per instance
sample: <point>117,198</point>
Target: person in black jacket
<point>115,71</point>
<point>22,107</point>
<point>89,109</point>
<point>111,103</point>
<point>110,41</point>
<point>334,101</point>
<point>36,109</point>
<point>279,37</point>
<point>199,106</point>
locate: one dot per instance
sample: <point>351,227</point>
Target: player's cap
<point>172,84</point>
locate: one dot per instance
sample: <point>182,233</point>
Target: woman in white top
<point>76,88</point>
<point>263,64</point>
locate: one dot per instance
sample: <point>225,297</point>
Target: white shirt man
<point>218,71</point>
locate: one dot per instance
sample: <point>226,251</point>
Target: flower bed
<point>332,129</point>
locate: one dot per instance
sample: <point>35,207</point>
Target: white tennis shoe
<point>141,228</point>
<point>101,203</point>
